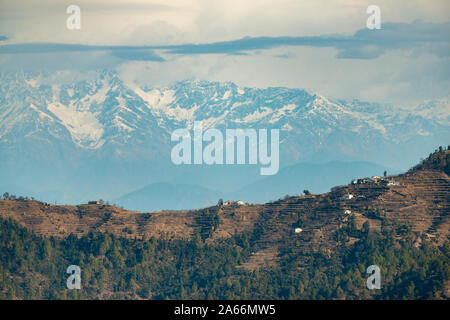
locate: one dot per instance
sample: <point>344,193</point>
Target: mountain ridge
<point>417,198</point>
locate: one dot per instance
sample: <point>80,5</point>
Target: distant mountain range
<point>72,138</point>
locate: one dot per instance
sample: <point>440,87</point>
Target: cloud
<point>122,52</point>
<point>418,36</point>
<point>364,44</point>
<point>137,55</point>
<point>50,62</point>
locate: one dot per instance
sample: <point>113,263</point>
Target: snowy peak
<point>438,109</point>
<point>100,110</point>
<point>84,127</point>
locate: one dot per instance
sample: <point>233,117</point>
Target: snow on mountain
<point>101,126</point>
<point>438,110</point>
<point>85,129</point>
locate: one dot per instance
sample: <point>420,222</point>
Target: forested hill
<point>439,160</point>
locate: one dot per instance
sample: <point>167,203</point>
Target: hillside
<point>417,199</point>
<point>400,222</point>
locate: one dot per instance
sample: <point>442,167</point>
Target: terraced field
<point>419,199</point>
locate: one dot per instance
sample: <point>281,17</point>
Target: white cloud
<point>396,77</point>
<point>115,21</point>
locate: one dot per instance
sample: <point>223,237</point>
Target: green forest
<point>34,267</point>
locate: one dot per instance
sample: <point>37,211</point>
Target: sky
<point>320,45</point>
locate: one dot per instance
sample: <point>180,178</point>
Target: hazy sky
<point>322,45</point>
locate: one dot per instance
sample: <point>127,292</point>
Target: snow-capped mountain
<point>103,130</point>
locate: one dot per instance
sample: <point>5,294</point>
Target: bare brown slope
<point>60,221</point>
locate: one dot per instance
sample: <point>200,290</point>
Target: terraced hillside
<point>417,200</point>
